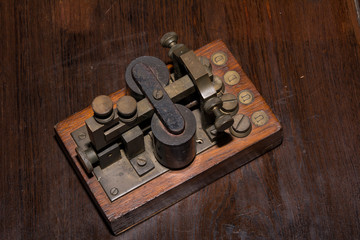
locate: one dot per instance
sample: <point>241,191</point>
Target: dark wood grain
<point>172,186</point>
<point>303,57</point>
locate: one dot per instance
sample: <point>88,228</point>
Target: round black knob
<point>169,39</point>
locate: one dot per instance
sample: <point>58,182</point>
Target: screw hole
<point>110,154</point>
<point>199,141</point>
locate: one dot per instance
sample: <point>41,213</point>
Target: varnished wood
<point>302,56</point>
<point>173,186</point>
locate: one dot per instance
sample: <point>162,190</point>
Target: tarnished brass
<point>219,58</point>
<point>231,78</point>
<point>230,104</point>
<point>241,127</point>
<point>259,118</point>
<point>246,97</point>
<point>153,129</point>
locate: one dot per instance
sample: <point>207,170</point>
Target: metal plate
<point>121,177</point>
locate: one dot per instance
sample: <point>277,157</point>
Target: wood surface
<point>302,56</point>
<point>172,186</point>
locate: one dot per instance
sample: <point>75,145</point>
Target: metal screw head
<point>169,39</point>
<point>102,106</point>
<point>126,106</point>
<point>114,191</point>
<point>141,162</point>
<point>81,136</point>
<point>158,94</point>
<point>241,126</point>
<point>230,103</point>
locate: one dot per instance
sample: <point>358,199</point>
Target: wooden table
<point>303,57</point>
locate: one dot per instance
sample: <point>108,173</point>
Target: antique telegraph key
<point>171,133</point>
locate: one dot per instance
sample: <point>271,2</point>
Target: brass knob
<point>169,39</point>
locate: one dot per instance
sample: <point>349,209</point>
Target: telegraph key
<point>173,133</point>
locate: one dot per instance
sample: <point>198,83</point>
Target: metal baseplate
<point>125,175</point>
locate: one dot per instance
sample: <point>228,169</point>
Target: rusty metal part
<point>103,108</point>
<point>164,107</point>
<point>241,127</point>
<point>155,65</point>
<point>230,104</point>
<point>175,151</point>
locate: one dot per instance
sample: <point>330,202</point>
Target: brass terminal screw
<point>241,127</point>
<point>230,103</point>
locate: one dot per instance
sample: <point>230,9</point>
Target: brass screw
<point>241,127</point>
<point>230,103</point>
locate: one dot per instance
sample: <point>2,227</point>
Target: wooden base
<point>172,186</point>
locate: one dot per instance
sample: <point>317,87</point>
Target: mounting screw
<point>141,162</point>
<point>114,191</point>
<point>169,39</point>
<point>241,127</point>
<point>158,94</point>
<point>81,136</point>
